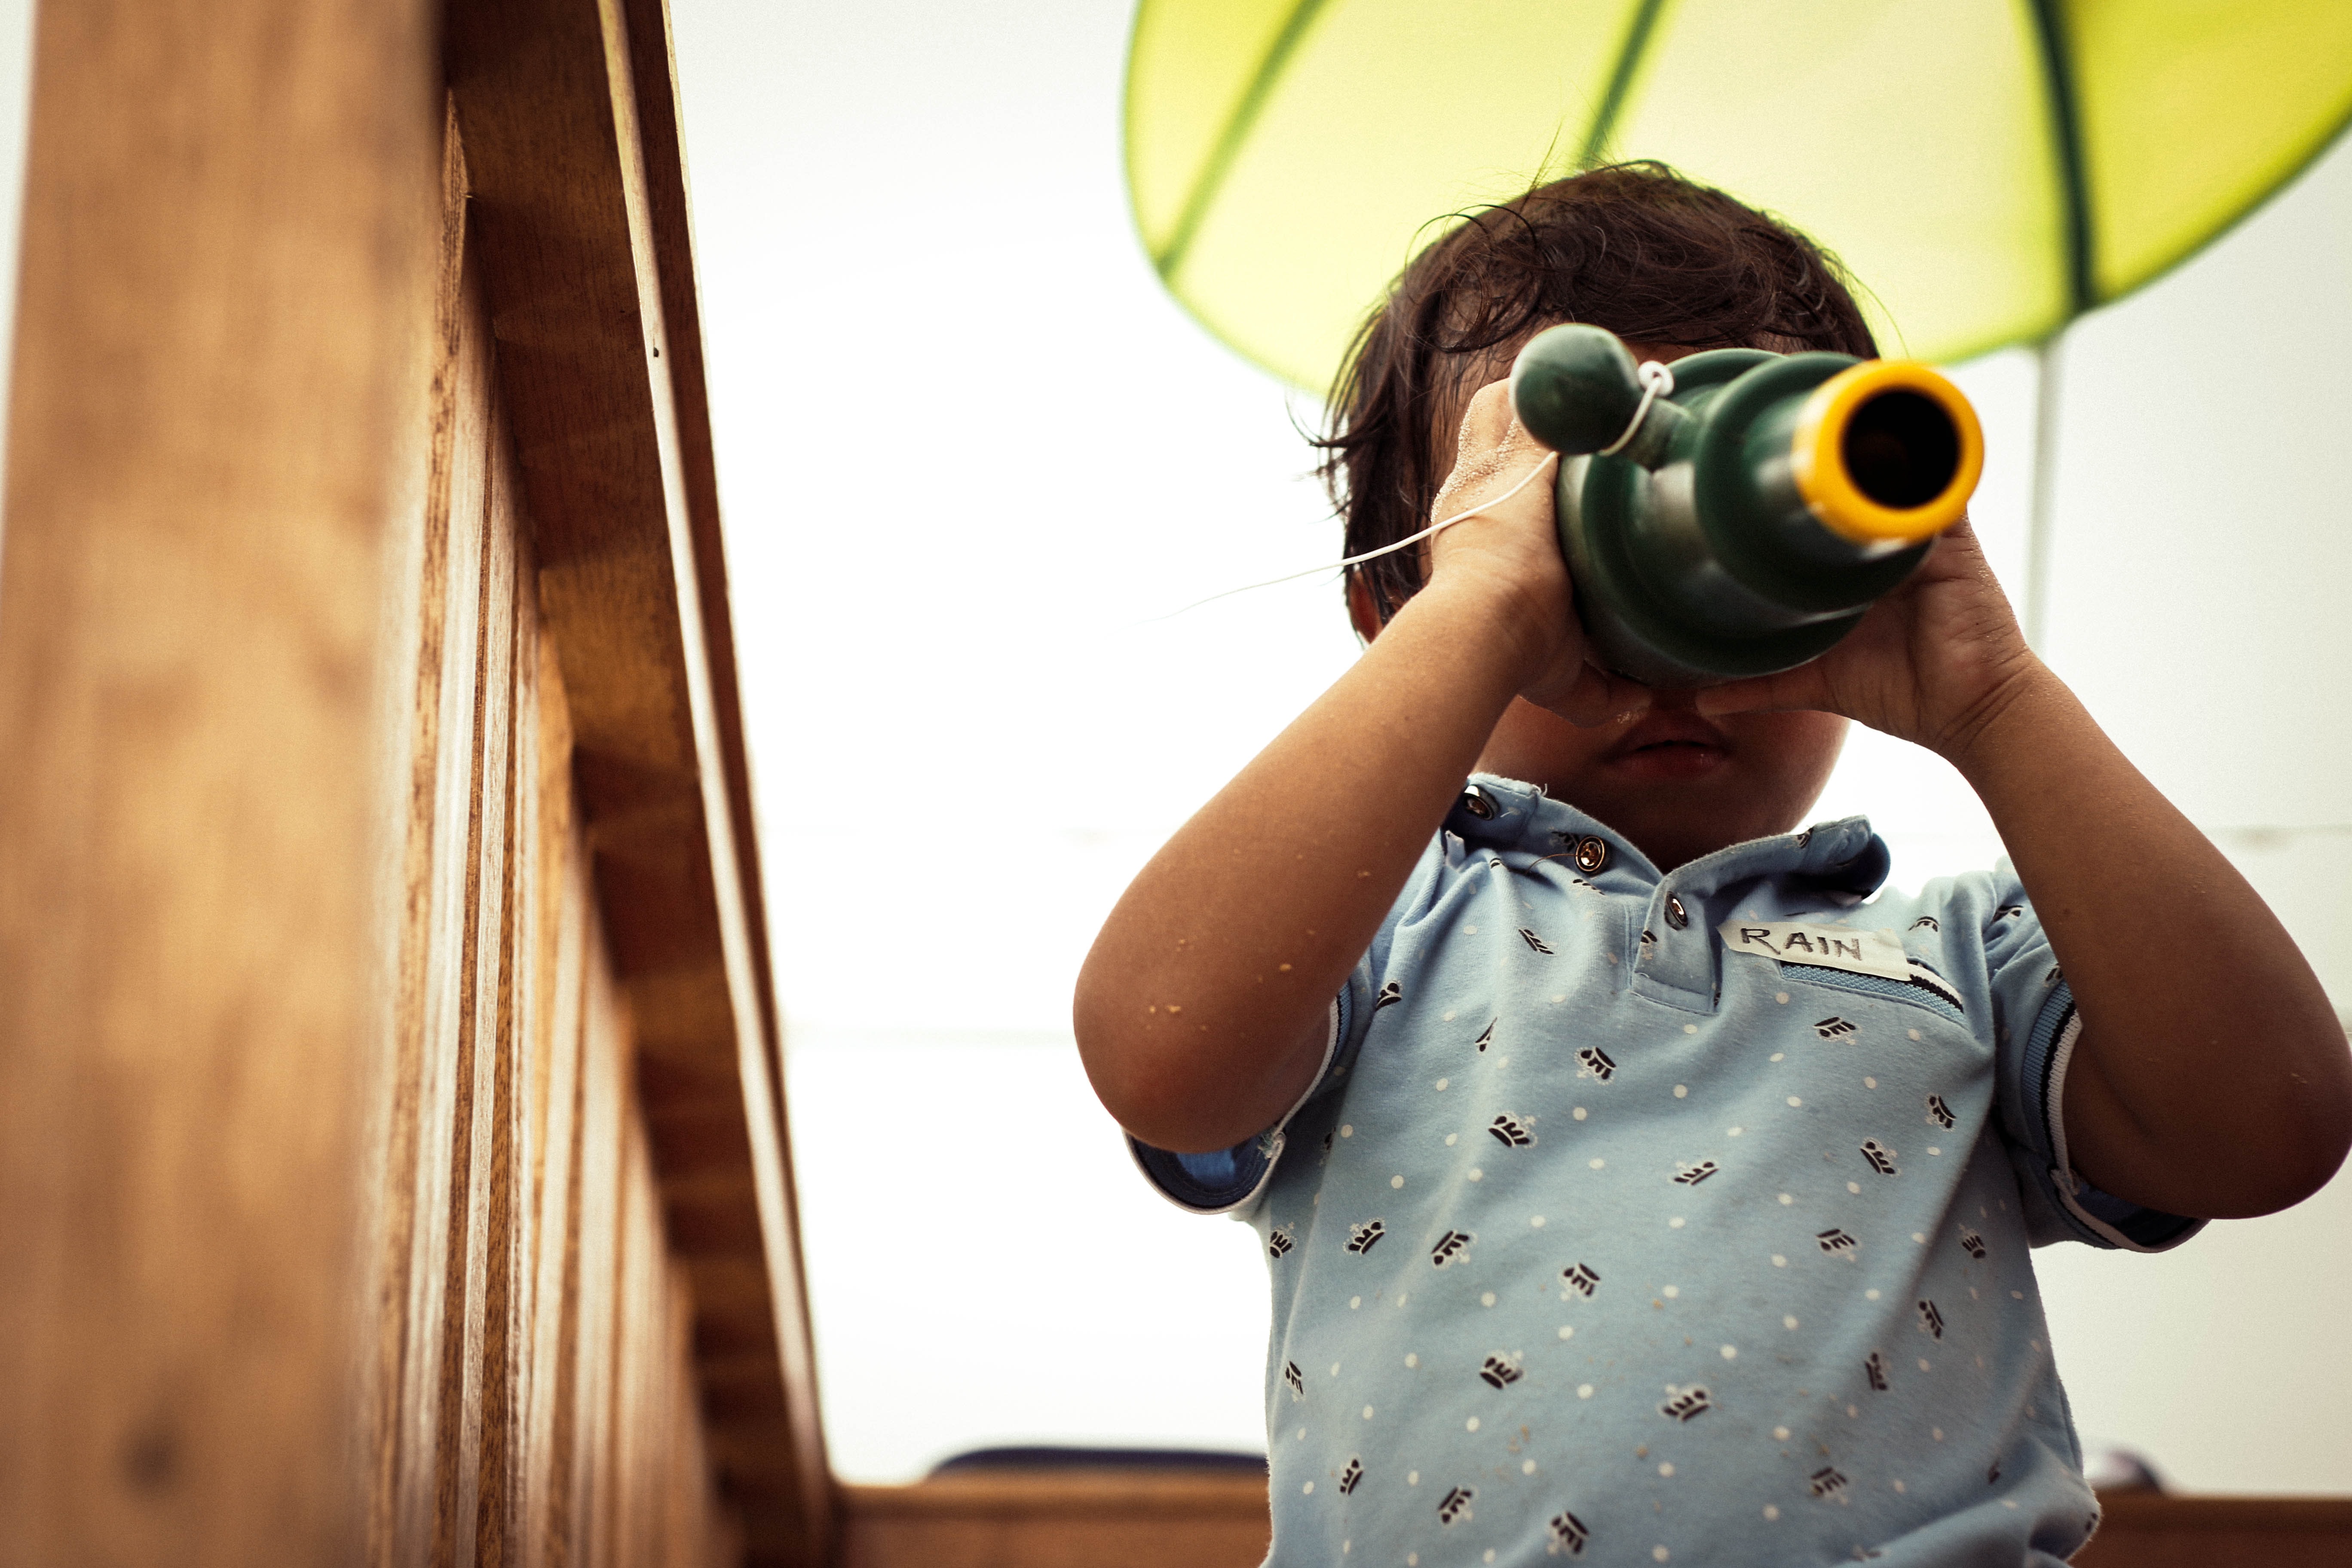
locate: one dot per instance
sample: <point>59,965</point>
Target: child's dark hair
<point>1633,248</point>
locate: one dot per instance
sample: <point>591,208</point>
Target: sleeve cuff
<point>1232,1181</point>
<point>1218,1182</point>
<point>2099,1218</point>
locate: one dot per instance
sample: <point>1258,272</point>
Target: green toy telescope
<point>1737,516</point>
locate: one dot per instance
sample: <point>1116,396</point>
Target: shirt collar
<point>1843,855</point>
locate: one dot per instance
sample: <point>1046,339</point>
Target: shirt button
<point>1475,802</point>
<point>1674,915</point>
<point>1591,854</point>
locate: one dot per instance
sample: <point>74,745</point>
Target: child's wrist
<point>1525,622</point>
<point>1999,719</point>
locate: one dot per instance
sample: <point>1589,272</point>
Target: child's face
<point>1678,785</point>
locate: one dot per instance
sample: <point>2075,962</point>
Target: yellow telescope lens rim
<point>1817,456</point>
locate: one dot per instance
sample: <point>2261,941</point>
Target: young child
<point>1635,1186</point>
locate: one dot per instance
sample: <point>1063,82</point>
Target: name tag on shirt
<point>1876,953</point>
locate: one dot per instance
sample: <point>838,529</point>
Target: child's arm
<point>2211,1078</point>
<point>1201,1012</point>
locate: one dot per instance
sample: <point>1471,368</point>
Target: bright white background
<point>969,450</point>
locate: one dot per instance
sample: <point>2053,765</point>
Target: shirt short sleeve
<point>2035,1030</point>
<point>1232,1180</point>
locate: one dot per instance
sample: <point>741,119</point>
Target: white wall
<point>968,449</point>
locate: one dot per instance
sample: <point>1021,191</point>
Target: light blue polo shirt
<point>1684,1218</point>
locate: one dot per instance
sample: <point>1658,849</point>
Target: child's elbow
<point>2285,1180</point>
<point>1154,1070</point>
<point>2317,1156</point>
<point>2308,1140</point>
<point>1140,1083</point>
<point>2328,1134</point>
<point>1149,1096</point>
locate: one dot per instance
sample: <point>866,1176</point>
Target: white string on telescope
<point>1657,381</point>
<point>1524,479</point>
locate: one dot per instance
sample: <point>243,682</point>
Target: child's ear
<point>1360,609</point>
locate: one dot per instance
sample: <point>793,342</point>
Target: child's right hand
<point>1204,1011</point>
<point>1508,561</point>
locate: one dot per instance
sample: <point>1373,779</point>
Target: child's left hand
<point>2106,862</point>
<point>1927,664</point>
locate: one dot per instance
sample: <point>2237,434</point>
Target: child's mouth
<point>1670,745</point>
<point>1674,758</point>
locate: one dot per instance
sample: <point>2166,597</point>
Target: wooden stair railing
<point>391,1148</point>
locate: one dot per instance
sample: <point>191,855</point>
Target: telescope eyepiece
<point>1902,449</point>
<point>1887,452</point>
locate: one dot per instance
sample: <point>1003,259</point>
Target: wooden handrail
<point>570,119</point>
<point>1069,1518</point>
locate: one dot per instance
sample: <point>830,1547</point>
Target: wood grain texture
<point>534,1400</point>
<point>361,827</point>
<point>1077,1518</point>
<point>1058,1519</point>
<point>569,118</point>
<point>2139,1529</point>
<point>226,264</point>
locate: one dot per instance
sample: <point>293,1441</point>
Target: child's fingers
<point>1800,688</point>
<point>1594,697</point>
<point>1490,451</point>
